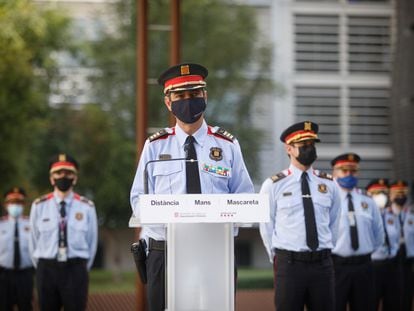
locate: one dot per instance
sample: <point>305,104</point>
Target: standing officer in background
<point>16,268</point>
<point>405,212</point>
<point>219,167</point>
<point>304,210</point>
<point>361,232</point>
<point>384,258</point>
<point>64,239</point>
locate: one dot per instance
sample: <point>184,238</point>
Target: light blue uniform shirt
<point>286,229</point>
<point>369,225</point>
<point>407,216</point>
<point>7,229</point>
<point>393,229</point>
<point>81,224</point>
<point>220,161</point>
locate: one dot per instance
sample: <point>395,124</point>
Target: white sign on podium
<point>200,248</point>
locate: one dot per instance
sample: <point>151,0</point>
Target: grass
<point>107,281</point>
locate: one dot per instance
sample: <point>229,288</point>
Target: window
<point>320,105</point>
<point>369,44</point>
<point>317,43</point>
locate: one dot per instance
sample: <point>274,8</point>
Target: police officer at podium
<point>304,210</point>
<point>16,267</point>
<point>218,167</point>
<point>64,239</point>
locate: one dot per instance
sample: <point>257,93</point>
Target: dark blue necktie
<point>16,258</point>
<point>310,222</point>
<point>191,167</point>
<point>353,226</point>
<point>62,225</point>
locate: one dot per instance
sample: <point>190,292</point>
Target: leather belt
<point>70,261</point>
<point>304,256</point>
<point>155,245</point>
<point>351,260</point>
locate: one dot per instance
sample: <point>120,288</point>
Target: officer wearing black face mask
<point>303,227</point>
<point>219,167</point>
<point>399,204</point>
<point>63,239</point>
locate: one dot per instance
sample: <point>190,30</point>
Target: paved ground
<point>246,300</point>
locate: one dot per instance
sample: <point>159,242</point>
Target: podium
<point>200,247</point>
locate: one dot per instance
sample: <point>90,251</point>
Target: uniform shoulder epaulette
<point>222,133</point>
<point>84,199</point>
<point>43,198</point>
<point>324,175</point>
<point>279,176</point>
<point>163,133</point>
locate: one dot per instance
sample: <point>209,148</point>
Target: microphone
<point>163,160</point>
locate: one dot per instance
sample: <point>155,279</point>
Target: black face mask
<point>64,183</point>
<point>188,110</point>
<point>307,155</point>
<point>400,200</point>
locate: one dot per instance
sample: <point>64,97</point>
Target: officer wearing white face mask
<point>16,268</point>
<point>384,260</point>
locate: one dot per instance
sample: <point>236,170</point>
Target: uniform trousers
<point>156,280</point>
<point>405,267</point>
<point>387,284</point>
<point>62,284</point>
<point>299,283</point>
<point>16,288</point>
<point>354,283</point>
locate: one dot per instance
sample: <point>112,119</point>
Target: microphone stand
<point>160,160</point>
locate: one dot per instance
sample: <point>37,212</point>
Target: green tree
<point>102,135</point>
<point>28,38</point>
<point>215,33</point>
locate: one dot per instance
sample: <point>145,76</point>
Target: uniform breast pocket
<point>78,232</point>
<point>4,239</point>
<point>289,206</point>
<point>364,217</point>
<point>47,232</point>
<point>323,205</point>
<point>217,178</point>
<point>167,177</point>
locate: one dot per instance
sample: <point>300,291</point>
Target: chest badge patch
<point>364,205</point>
<point>27,228</point>
<point>216,154</point>
<point>322,188</point>
<point>215,169</point>
<point>410,222</point>
<point>390,221</point>
<point>79,216</point>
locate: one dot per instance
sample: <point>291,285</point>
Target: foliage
<point>215,33</point>
<point>28,38</point>
<point>101,135</point>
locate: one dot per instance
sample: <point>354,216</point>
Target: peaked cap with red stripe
<point>346,160</point>
<point>15,194</point>
<point>377,185</point>
<point>186,76</point>
<point>63,161</point>
<point>301,131</point>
